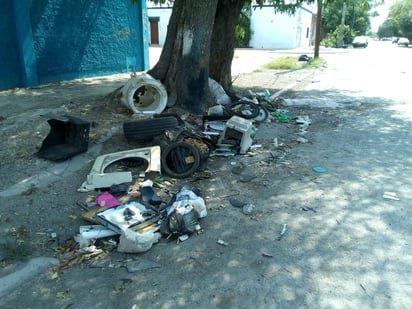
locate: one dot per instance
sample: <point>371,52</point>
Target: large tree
<point>200,44</point>
<point>400,17</point>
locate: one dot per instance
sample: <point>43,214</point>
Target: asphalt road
<point>363,238</point>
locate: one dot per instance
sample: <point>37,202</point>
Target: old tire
<point>263,114</point>
<point>148,128</point>
<point>180,160</point>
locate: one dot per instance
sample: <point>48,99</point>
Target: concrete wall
<point>272,30</point>
<point>9,59</point>
<point>53,40</point>
<point>164,15</point>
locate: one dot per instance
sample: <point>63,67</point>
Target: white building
<point>272,30</point>
<point>269,30</point>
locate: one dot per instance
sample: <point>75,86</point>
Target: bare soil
<point>323,261</point>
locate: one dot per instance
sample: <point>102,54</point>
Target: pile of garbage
<point>128,213</point>
<point>140,217</point>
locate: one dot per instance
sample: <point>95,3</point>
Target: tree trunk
<point>223,41</point>
<point>183,67</point>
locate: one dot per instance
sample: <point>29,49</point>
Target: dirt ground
<point>253,268</point>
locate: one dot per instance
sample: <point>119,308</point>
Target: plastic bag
<point>135,242</point>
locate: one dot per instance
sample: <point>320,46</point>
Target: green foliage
<point>400,18</point>
<point>292,63</point>
<point>356,15</point>
<point>333,38</point>
<point>387,30</point>
<point>242,30</point>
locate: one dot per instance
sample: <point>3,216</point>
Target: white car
<point>403,42</point>
<point>360,41</point>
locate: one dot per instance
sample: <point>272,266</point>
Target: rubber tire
<point>173,155</point>
<point>252,107</point>
<point>148,128</point>
<point>263,114</point>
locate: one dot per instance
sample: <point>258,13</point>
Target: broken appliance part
<point>97,177</point>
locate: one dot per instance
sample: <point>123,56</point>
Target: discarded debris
<point>135,242</point>
<point>282,231</point>
<point>267,254</point>
<point>144,95</point>
<point>97,177</point>
<point>108,200</point>
<point>239,131</point>
<point>391,196</point>
<point>302,140</point>
<point>320,169</point>
<point>283,116</point>
<point>68,137</point>
<point>222,243</point>
<point>131,215</point>
<point>218,93</point>
<point>308,208</point>
<point>95,232</point>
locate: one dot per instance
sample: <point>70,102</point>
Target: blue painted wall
<point>54,40</point>
<point>9,60</point>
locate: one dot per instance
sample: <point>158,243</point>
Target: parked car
<point>360,41</point>
<point>403,42</point>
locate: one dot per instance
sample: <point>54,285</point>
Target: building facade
<point>270,30</point>
<point>52,40</point>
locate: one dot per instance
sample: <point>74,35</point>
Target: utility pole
<point>342,26</point>
<point>318,26</point>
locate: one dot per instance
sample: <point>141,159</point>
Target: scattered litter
<point>303,120</point>
<point>95,231</point>
<point>283,116</point>
<point>148,194</point>
<point>108,200</point>
<point>302,140</point>
<point>183,214</point>
<point>143,94</point>
<point>390,196</point>
<point>218,93</point>
<point>240,131</point>
<point>135,242</point>
<point>131,215</point>
<point>308,208</point>
<point>282,231</point>
<point>222,243</point>
<point>320,169</point>
<point>183,238</point>
<point>216,110</point>
<point>267,254</point>
<point>68,136</point>
<point>97,178</point>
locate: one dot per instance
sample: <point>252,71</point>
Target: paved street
<point>359,250</point>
